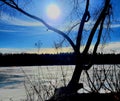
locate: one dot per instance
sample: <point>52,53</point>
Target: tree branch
<point>68,32</point>
<point>96,26</point>
<point>14,4</point>
<point>96,45</point>
<point>40,20</point>
<point>85,18</point>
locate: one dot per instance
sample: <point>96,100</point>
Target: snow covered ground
<point>12,79</point>
<point>11,83</point>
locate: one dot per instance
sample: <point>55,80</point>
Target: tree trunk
<point>74,84</point>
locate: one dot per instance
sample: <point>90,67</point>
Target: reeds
<point>99,79</point>
<point>103,78</point>
<point>46,80</point>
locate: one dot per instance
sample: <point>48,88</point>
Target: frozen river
<point>14,81</point>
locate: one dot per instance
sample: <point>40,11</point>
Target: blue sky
<point>15,36</point>
<point>20,31</point>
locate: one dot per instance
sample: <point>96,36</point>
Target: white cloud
<point>12,50</point>
<point>113,47</point>
<point>115,26</point>
<point>17,21</point>
<point>3,30</point>
<point>35,50</point>
<point>21,22</point>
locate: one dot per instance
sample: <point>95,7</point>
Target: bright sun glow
<point>53,11</point>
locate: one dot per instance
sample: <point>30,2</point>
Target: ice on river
<point>14,79</point>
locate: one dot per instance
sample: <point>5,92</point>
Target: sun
<point>53,11</point>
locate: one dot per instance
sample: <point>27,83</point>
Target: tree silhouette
<point>102,17</point>
<point>38,44</point>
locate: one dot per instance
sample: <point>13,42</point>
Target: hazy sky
<point>20,31</point>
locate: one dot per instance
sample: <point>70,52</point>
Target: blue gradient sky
<point>23,32</point>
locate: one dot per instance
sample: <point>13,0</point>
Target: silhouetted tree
<point>102,17</point>
<point>38,45</point>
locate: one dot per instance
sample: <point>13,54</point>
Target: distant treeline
<point>55,59</point>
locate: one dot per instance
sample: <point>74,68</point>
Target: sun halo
<point>53,11</point>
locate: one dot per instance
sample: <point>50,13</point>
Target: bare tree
<point>102,17</point>
<point>38,45</point>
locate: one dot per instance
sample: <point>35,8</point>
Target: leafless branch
<point>40,20</point>
<point>101,16</point>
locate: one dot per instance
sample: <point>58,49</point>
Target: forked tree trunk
<point>74,82</point>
